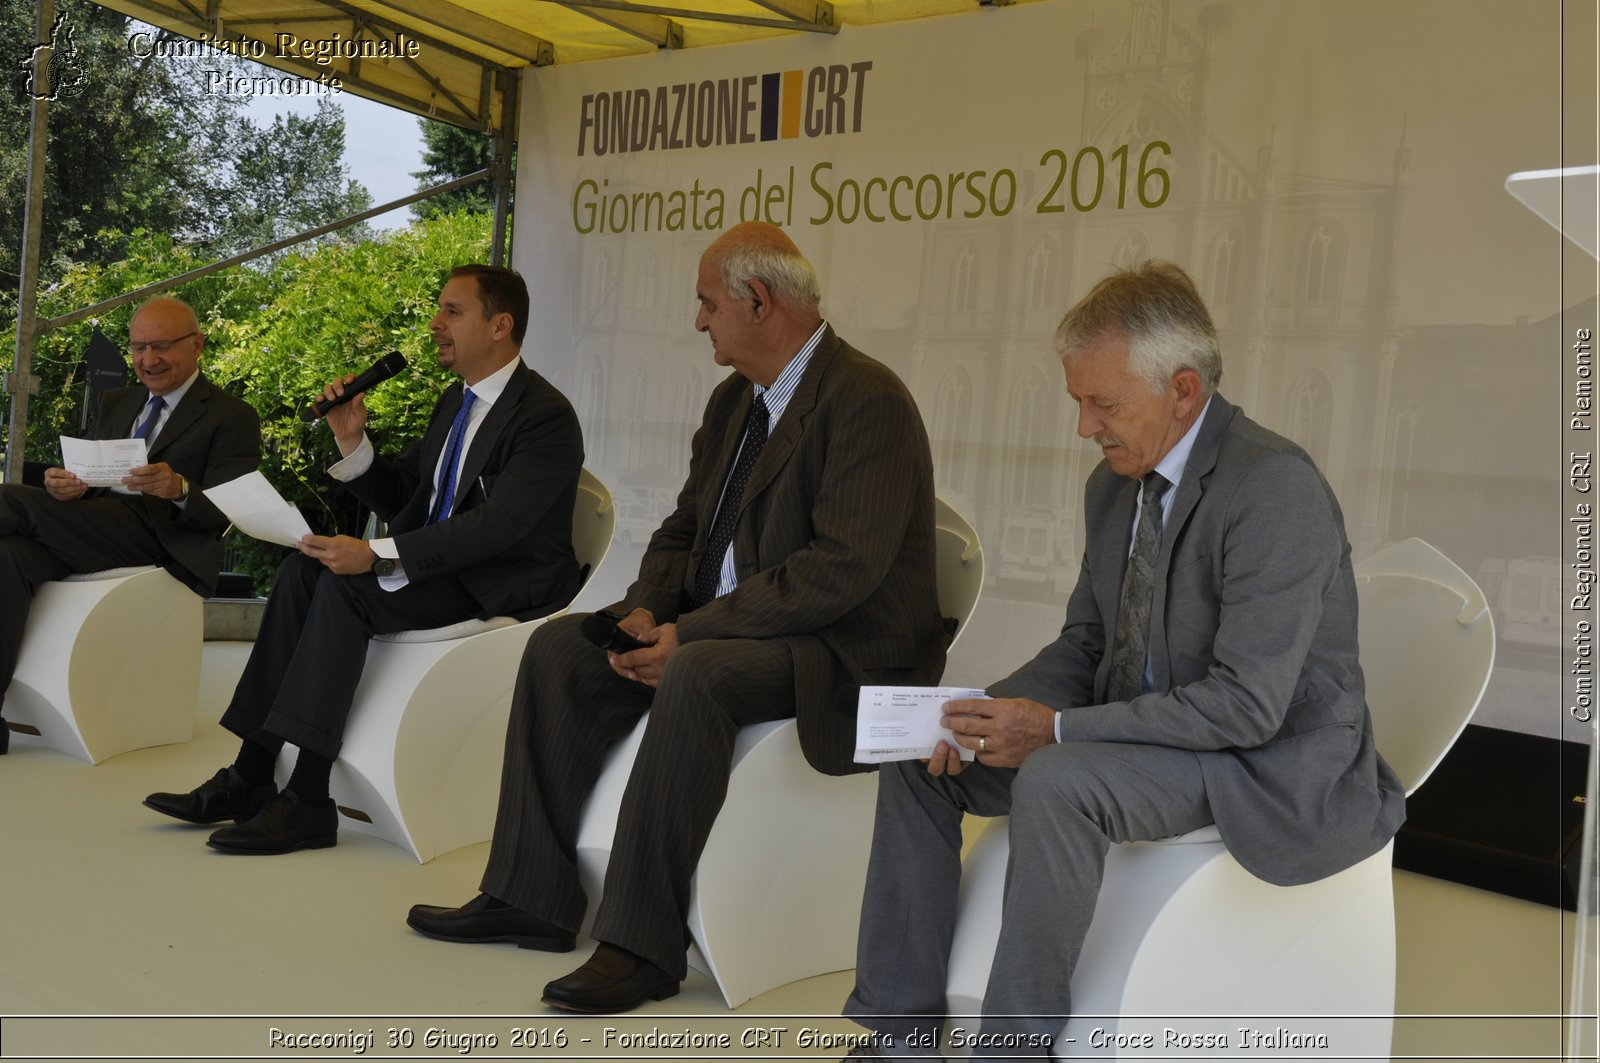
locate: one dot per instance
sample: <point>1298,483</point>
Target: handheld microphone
<point>381,370</point>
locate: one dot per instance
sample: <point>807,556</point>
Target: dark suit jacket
<point>209,439</point>
<point>1253,651</point>
<point>834,546</point>
<point>509,537</point>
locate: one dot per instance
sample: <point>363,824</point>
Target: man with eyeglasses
<point>198,436</point>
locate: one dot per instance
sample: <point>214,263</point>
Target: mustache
<point>1103,440</point>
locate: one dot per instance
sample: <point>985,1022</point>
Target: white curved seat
<point>420,763</point>
<point>777,894</point>
<point>1183,930</point>
<point>87,682</point>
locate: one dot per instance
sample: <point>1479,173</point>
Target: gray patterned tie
<point>1133,616</point>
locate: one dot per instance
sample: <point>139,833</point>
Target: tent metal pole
<point>21,383</point>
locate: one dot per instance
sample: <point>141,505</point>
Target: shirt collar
<point>491,387</point>
<point>782,390</point>
<point>1171,467</point>
<point>175,396</point>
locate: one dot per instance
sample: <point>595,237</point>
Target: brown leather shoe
<point>226,795</point>
<point>481,921</point>
<point>613,980</point>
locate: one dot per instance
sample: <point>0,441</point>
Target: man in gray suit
<point>799,564</point>
<point>1206,672</point>
<point>198,436</point>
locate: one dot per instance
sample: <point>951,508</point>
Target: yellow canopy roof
<point>456,60</point>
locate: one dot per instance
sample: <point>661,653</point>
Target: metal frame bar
<point>505,139</point>
<point>622,6</point>
<point>647,25</point>
<point>21,383</point>
<point>157,287</point>
<point>817,12</point>
<point>453,110</point>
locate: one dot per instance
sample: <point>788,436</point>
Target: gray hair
<point>784,271</point>
<point>1156,306</point>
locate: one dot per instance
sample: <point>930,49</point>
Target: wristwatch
<point>384,566</point>
<point>183,489</point>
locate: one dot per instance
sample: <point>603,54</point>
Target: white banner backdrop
<point>1331,174</point>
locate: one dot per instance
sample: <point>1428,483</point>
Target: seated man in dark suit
<point>198,436</point>
<point>1206,672</point>
<point>799,564</point>
<point>480,521</point>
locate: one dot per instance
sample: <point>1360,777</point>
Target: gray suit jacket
<point>834,546</point>
<point>209,439</point>
<point>1253,651</point>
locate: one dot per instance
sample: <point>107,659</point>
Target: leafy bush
<point>274,337</point>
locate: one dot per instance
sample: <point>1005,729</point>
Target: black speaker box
<point>1502,812</point>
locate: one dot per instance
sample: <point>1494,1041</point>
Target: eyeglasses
<point>158,346</point>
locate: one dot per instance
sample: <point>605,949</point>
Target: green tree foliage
<point>274,337</point>
<point>137,142</point>
<point>275,191</point>
<point>132,148</point>
<point>448,152</point>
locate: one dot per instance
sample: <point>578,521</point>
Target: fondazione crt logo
<point>750,109</point>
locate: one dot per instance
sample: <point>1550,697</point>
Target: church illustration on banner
<point>1421,429</point>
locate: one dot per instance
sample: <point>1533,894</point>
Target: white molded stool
<point>420,763</point>
<point>110,662</point>
<point>1181,929</point>
<point>777,894</point>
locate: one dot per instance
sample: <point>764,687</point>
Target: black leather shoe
<point>283,826</point>
<point>613,980</point>
<point>226,795</point>
<point>5,738</point>
<point>477,923</point>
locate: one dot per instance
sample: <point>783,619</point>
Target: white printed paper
<point>256,508</point>
<point>902,723</point>
<point>102,462</point>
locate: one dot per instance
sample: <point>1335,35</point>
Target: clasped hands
<point>1001,731</point>
<point>660,642</point>
<point>158,481</point>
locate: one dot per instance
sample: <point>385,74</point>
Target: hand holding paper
<point>903,723</point>
<point>256,508</point>
<point>102,462</point>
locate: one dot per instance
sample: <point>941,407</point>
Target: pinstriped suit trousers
<point>568,710</point>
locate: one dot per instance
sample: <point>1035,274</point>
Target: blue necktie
<point>452,458</point>
<point>152,414</point>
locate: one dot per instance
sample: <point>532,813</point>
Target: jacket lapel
<point>781,444</point>
<point>721,452</point>
<point>488,433</point>
<point>186,414</point>
<point>415,512</point>
<point>1196,475</point>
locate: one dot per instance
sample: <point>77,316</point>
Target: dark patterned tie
<point>452,458</point>
<point>1133,616</point>
<point>709,574</point>
<point>152,414</point>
